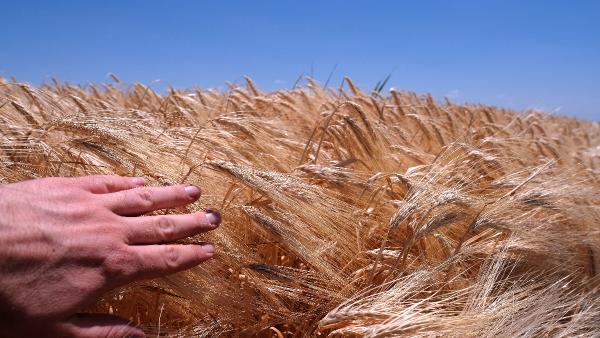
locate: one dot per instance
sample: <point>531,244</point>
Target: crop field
<point>345,212</point>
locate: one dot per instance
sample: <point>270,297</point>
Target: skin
<point>66,241</point>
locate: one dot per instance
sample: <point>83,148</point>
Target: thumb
<point>98,325</point>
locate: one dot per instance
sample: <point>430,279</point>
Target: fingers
<point>142,200</point>
<point>159,260</point>
<point>167,228</point>
<point>97,326</point>
<point>103,184</point>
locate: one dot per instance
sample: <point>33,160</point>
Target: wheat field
<point>345,213</point>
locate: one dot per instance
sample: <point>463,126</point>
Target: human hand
<point>66,241</point>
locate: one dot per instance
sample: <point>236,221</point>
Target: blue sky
<point>519,54</point>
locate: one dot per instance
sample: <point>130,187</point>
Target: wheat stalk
<point>345,214</point>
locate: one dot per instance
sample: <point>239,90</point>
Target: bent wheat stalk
<point>345,213</point>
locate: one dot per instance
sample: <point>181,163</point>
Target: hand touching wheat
<point>65,241</point>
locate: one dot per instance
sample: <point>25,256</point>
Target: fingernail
<point>192,191</point>
<point>213,216</point>
<point>139,181</point>
<point>208,249</point>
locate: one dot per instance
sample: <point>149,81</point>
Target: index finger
<point>103,184</point>
<point>142,200</point>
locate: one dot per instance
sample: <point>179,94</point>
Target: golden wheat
<point>345,214</point>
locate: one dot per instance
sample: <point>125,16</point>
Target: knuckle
<point>165,228</point>
<point>77,212</point>
<point>145,198</point>
<point>116,231</point>
<point>110,184</point>
<point>171,257</point>
<point>119,264</point>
